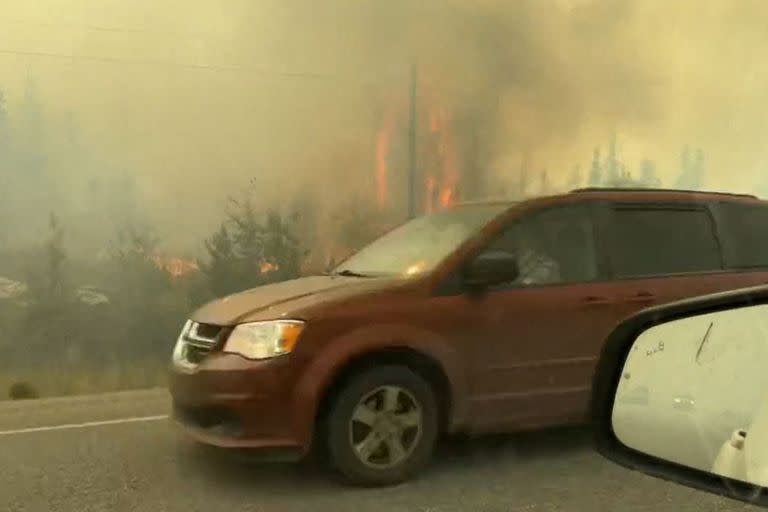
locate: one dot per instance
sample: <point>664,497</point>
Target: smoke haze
<point>193,101</point>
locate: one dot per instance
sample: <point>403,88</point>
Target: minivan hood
<point>285,298</point>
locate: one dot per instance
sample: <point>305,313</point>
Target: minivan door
<point>742,228</point>
<point>659,252</point>
<point>537,338</point>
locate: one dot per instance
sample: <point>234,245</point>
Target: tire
<point>364,413</point>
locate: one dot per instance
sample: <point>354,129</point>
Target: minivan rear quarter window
<point>649,241</point>
<point>745,234</point>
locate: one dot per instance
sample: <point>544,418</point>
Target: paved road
<point>145,466</point>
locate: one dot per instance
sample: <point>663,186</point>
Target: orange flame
<point>176,267</point>
<point>431,187</point>
<point>446,155</point>
<point>383,143</point>
<point>268,267</point>
<point>439,160</point>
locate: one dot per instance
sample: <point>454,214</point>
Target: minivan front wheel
<point>382,426</point>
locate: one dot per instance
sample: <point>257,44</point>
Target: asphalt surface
<point>78,460</point>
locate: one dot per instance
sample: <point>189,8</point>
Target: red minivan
<point>483,317</point>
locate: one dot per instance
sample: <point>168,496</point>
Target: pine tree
<point>221,265</point>
<point>543,183</point>
<point>574,181</point>
<point>685,177</point>
<point>247,233</point>
<point>136,272</point>
<point>523,178</point>
<point>47,282</point>
<point>281,247</point>
<point>613,167</point>
<point>697,170</point>
<point>56,257</point>
<point>648,177</point>
<point>250,249</point>
<point>595,171</point>
<point>49,297</point>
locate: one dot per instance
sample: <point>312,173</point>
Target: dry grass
<point>76,381</point>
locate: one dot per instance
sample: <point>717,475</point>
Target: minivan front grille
<point>200,340</point>
<point>206,331</point>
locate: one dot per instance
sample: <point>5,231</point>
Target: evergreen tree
<point>543,183</point>
<point>221,266</point>
<point>49,297</point>
<point>697,170</point>
<point>250,250</point>
<point>574,181</point>
<point>48,285</point>
<point>612,165</point>
<point>648,177</point>
<point>136,273</point>
<point>247,233</point>
<point>281,247</point>
<point>596,171</point>
<point>685,176</point>
<point>523,178</point>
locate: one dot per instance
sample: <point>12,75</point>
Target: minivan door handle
<point>642,296</point>
<point>594,300</point>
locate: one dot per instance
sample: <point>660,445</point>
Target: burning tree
<point>438,163</point>
<point>251,249</point>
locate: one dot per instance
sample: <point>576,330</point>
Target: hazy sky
<point>291,92</point>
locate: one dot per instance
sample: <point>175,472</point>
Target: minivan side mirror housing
<point>694,372</point>
<point>491,268</point>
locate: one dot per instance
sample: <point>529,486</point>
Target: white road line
<point>83,425</point>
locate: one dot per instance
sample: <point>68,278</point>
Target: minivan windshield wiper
<point>348,273</point>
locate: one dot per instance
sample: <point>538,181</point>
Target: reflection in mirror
<point>694,391</point>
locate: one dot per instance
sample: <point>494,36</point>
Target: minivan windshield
<point>420,244</point>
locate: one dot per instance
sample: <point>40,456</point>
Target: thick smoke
<point>289,95</point>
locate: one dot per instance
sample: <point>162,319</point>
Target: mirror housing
<point>491,268</point>
<point>648,349</point>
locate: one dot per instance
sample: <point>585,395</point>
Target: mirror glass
<point>694,391</point>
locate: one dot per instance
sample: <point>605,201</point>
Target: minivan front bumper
<point>229,401</point>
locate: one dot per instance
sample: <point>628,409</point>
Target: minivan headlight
<point>263,340</point>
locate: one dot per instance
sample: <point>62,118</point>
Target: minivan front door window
<point>551,247</point>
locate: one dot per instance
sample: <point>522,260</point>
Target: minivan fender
<point>326,365</point>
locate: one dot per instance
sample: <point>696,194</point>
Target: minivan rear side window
<point>744,230</point>
<point>649,241</point>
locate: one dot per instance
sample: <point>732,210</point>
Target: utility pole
<point>412,134</point>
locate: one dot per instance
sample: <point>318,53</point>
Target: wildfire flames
<point>268,267</point>
<point>383,142</point>
<point>176,267</point>
<point>179,267</point>
<point>437,159</point>
<point>446,157</point>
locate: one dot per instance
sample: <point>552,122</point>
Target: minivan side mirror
<point>679,394</point>
<point>490,268</point>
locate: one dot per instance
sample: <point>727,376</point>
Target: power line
<point>161,63</point>
<point>103,28</point>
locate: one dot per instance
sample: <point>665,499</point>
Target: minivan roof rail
<point>671,190</point>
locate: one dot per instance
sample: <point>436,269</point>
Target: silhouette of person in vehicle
<point>535,263</point>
